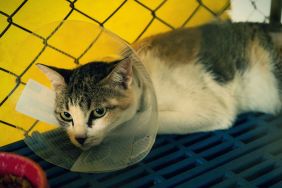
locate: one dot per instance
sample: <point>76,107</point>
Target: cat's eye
<point>66,116</point>
<point>99,112</point>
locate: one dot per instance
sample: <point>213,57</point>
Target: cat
<point>203,78</point>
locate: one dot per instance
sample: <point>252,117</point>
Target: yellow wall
<point>128,21</point>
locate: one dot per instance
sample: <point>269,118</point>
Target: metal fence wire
<point>198,157</point>
<point>10,24</point>
<point>73,9</point>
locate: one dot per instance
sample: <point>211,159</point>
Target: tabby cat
<point>203,77</point>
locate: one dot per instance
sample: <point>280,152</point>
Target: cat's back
<point>222,48</point>
<point>231,61</point>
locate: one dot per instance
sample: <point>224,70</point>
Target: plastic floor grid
<point>247,155</point>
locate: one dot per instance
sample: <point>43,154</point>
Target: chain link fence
<point>158,16</point>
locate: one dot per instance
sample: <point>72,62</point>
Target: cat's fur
<point>203,78</point>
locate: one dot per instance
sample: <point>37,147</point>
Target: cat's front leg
<point>173,122</point>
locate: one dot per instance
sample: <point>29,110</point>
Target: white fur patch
<point>259,91</point>
<point>79,121</point>
<point>189,99</point>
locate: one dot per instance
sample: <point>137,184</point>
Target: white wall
<point>250,10</point>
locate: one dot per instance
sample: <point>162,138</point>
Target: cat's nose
<point>80,140</point>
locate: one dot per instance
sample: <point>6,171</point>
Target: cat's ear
<point>55,75</point>
<point>121,75</point>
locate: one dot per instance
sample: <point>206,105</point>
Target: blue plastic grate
<point>247,155</point>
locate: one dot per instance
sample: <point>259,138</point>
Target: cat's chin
<point>85,147</point>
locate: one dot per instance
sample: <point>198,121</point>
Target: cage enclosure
<point>247,155</point>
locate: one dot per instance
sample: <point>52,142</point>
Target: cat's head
<point>93,99</point>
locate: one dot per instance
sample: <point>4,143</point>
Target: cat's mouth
<point>87,143</point>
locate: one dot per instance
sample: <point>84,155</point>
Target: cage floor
<point>247,155</point>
